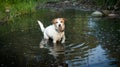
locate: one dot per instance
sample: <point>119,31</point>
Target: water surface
<point>90,42</point>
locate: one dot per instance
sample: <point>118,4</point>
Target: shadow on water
<point>90,42</point>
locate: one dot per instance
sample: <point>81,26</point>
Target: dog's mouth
<point>60,28</point>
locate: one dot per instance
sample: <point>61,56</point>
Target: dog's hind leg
<point>46,38</point>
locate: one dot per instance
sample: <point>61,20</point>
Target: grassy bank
<point>15,8</point>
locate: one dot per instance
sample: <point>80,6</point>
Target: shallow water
<point>90,42</point>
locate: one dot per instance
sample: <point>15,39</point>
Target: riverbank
<point>69,5</point>
<point>112,12</point>
<point>11,9</point>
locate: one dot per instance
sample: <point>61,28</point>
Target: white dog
<point>54,31</point>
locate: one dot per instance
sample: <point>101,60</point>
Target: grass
<point>19,7</point>
<point>16,9</point>
<point>22,8</point>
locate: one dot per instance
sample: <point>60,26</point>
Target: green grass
<point>19,7</point>
<point>22,8</point>
<point>16,8</point>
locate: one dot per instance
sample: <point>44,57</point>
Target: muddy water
<point>90,42</point>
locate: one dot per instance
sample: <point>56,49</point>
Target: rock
<point>97,14</point>
<point>105,12</point>
<point>7,10</point>
<point>112,15</point>
<point>66,1</point>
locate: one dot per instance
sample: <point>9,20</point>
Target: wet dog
<point>54,31</point>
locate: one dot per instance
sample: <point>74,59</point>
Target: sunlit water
<point>90,42</point>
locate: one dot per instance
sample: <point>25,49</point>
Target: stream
<point>90,41</point>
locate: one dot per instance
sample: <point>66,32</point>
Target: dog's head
<point>59,24</point>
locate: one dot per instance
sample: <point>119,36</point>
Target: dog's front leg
<point>54,41</point>
<point>63,39</point>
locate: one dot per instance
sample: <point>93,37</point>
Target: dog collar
<point>62,31</point>
<point>59,30</point>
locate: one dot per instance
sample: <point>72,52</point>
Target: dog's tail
<point>41,26</point>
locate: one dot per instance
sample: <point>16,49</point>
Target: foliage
<point>106,2</point>
<point>16,7</point>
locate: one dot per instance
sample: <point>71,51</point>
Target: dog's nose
<point>59,25</point>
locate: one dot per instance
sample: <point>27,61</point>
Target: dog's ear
<point>64,19</point>
<point>53,21</point>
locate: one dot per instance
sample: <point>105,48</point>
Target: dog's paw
<point>41,46</point>
<point>62,42</point>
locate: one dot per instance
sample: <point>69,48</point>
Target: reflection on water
<point>58,52</point>
<point>106,32</point>
<point>90,42</point>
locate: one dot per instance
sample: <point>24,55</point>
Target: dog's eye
<point>56,22</point>
<point>61,21</point>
